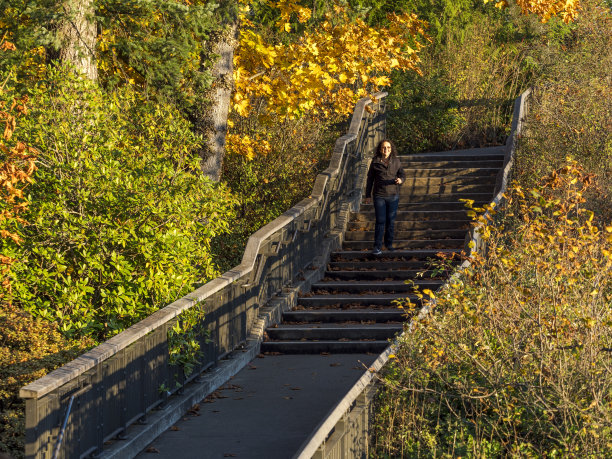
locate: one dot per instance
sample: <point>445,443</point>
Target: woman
<point>385,176</point>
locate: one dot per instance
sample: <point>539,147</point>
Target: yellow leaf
<point>429,293</point>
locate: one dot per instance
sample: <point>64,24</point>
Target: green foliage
<point>184,339</point>
<point>120,219</point>
<point>156,44</point>
<point>439,14</point>
<point>470,77</point>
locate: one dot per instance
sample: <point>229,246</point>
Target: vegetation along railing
<point>344,432</point>
<point>74,410</point>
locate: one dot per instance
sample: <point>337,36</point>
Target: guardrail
<point>345,430</point>
<point>96,397</point>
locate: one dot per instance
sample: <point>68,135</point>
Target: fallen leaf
<point>150,449</point>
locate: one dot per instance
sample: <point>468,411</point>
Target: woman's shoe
<point>376,252</point>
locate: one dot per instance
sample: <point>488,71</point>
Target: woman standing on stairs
<point>385,176</point>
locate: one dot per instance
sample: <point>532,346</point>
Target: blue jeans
<point>386,211</point>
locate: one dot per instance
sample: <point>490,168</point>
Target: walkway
<point>271,407</point>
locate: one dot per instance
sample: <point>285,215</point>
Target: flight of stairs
<point>352,309</point>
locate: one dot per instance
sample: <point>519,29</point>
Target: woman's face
<point>385,150</point>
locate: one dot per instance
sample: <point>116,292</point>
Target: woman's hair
<point>378,151</point>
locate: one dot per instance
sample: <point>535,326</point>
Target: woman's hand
<point>367,200</point>
<point>398,181</point>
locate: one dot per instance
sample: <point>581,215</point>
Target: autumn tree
<point>322,69</point>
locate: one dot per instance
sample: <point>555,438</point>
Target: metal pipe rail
<point>117,383</point>
<point>344,432</point>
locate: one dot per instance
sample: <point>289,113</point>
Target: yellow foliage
<point>546,9</point>
<point>326,69</point>
<point>247,146</point>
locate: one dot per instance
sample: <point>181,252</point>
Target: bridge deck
<point>266,411</point>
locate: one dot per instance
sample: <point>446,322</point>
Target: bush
<point>570,111</point>
<point>29,349</point>
<point>474,68</point>
<point>120,220</point>
<point>516,361</point>
<point>270,173</point>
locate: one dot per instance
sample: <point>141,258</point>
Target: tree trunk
<point>211,117</point>
<point>77,35</point>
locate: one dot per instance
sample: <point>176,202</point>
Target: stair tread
<point>336,326</point>
<point>372,284</point>
<point>476,152</point>
<point>354,297</point>
<point>425,253</point>
<point>346,311</point>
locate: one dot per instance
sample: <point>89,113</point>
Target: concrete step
<point>392,266</point>
<point>426,206</point>
<point>327,347</point>
<point>411,234</point>
<point>412,181</point>
<point>354,301</point>
<point>379,274</point>
<point>406,244</point>
<point>337,315</point>
<point>445,190</point>
<point>421,215</point>
<point>451,172</point>
<point>412,225</point>
<point>358,286</point>
<point>496,151</point>
<point>431,198</point>
<point>467,154</point>
<point>397,255</point>
<point>335,332</point>
<point>444,163</point>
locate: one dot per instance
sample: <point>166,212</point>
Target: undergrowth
<point>515,359</point>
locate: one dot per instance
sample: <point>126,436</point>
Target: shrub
<point>120,220</point>
<point>471,74</point>
<point>29,349</point>
<point>271,173</point>
<point>516,361</point>
<point>570,111</point>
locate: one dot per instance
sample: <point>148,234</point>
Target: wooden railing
<point>345,430</point>
<point>75,409</point>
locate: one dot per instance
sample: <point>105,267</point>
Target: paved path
<point>266,411</point>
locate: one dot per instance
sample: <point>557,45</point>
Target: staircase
<point>353,308</point>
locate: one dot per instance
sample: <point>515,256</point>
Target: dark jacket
<point>382,178</point>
